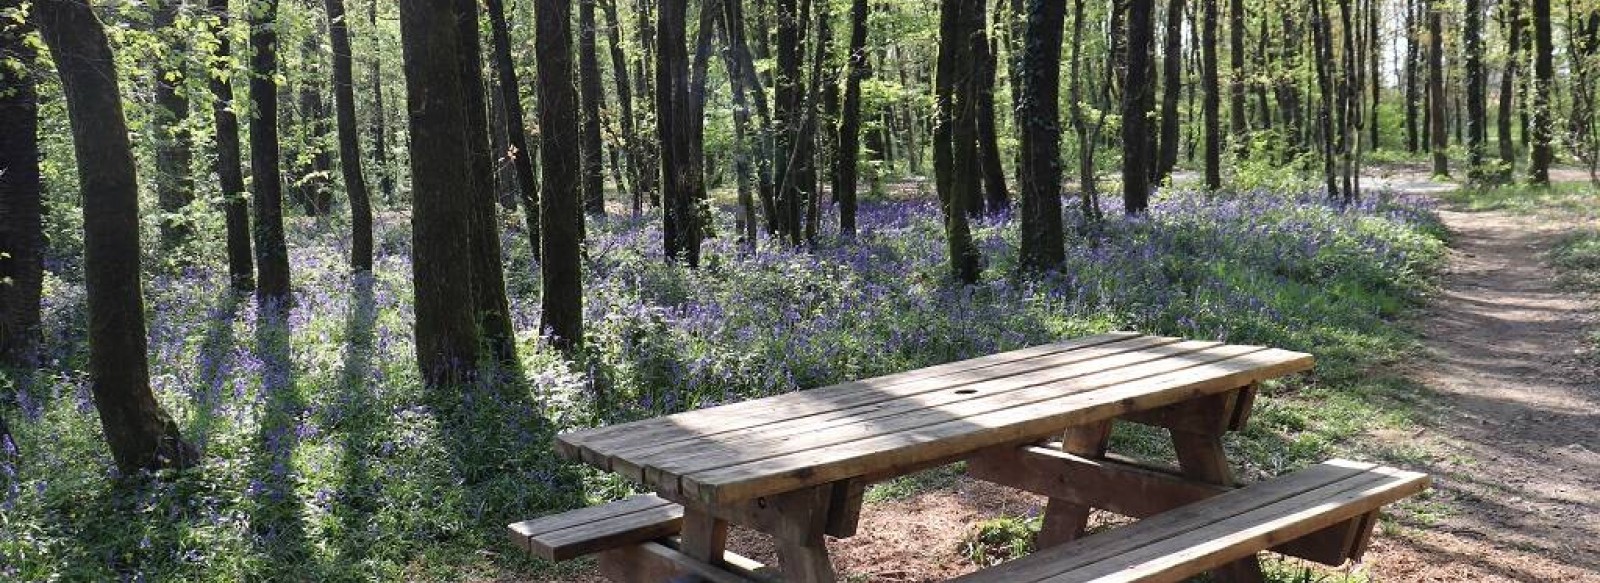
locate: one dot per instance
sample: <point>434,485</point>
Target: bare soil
<point>1513,433</point>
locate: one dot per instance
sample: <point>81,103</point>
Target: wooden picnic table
<point>794,466</point>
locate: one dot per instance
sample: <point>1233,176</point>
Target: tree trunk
<point>516,132</point>
<point>748,80</point>
<point>589,101</point>
<point>174,185</point>
<point>996,197</point>
<point>21,206</point>
<point>849,141</point>
<point>1508,153</point>
<point>1287,88</point>
<point>1238,124</point>
<point>141,435</point>
<point>1137,99</point>
<point>681,235</point>
<point>1412,58</point>
<point>1374,51</point>
<point>562,269</point>
<point>380,115</point>
<point>699,72</point>
<point>272,255</point>
<point>1438,136</point>
<point>344,104</point>
<point>807,155</point>
<point>1543,84</point>
<point>1039,118</point>
<point>619,69</point>
<point>790,150</point>
<point>1212,102</point>
<point>1325,90</point>
<point>955,139</point>
<point>315,184</point>
<point>230,174</point>
<point>441,164</point>
<point>1472,47</point>
<point>1087,195</point>
<point>644,76</point>
<point>1171,87</point>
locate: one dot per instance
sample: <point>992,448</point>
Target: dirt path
<point>1517,429</point>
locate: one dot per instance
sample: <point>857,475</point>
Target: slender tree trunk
<point>789,91</point>
<point>1513,24</point>
<point>619,69</point>
<point>589,101</point>
<point>516,132</point>
<point>1087,189</point>
<point>174,185</point>
<point>141,435</point>
<point>1137,98</point>
<point>380,113</point>
<point>1039,118</point>
<point>1472,46</point>
<point>344,100</point>
<point>1287,88</point>
<point>955,140</point>
<point>748,80</point>
<point>644,73</point>
<point>441,163</point>
<point>272,255</point>
<point>1325,90</point>
<point>675,128</point>
<point>230,174</point>
<point>1238,124</point>
<point>1438,136</point>
<point>1213,96</point>
<point>1374,53</point>
<point>810,152</point>
<point>558,121</point>
<point>21,205</point>
<point>996,196</point>
<point>1412,64</point>
<point>1543,84</point>
<point>1171,87</point>
<point>315,184</point>
<point>844,172</point>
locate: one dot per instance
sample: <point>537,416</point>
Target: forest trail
<point>1514,425</point>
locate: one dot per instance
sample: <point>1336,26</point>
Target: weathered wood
<point>1202,457</point>
<point>656,562</point>
<point>588,530</point>
<point>1202,536</point>
<point>937,405</point>
<point>652,430</point>
<point>704,537</point>
<point>844,509</point>
<point>785,516</point>
<point>1123,488</point>
<point>1066,520</point>
<point>806,560</point>
<point>1330,546</point>
<point>900,441</point>
<point>807,411</point>
<point>1211,415</point>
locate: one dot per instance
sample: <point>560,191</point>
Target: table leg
<point>1065,521</point>
<point>804,558</point>
<point>703,536</point>
<point>1201,457</point>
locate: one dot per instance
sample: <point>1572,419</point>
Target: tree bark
<point>516,130</point>
<point>1238,124</point>
<point>619,70</point>
<point>174,185</point>
<point>790,149</point>
<point>21,205</point>
<point>1171,87</point>
<point>1325,89</point>
<point>1039,118</point>
<point>1212,102</point>
<point>230,174</point>
<point>344,105</point>
<point>589,101</point>
<point>1438,135</point>
<point>1508,152</point>
<point>562,271</point>
<point>1472,47</point>
<point>996,197</point>
<point>380,115</point>
<point>1543,84</point>
<point>955,147</point>
<point>140,434</point>
<point>272,255</point>
<point>441,164</point>
<point>1137,99</point>
<point>849,141</point>
<point>1412,58</point>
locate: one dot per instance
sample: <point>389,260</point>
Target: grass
<point>326,460</point>
<point>1570,199</point>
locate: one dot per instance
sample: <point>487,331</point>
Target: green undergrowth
<point>1578,200</point>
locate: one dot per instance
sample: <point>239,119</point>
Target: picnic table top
<point>808,438</point>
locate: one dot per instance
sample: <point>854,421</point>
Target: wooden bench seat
<point>1205,535</point>
<point>584,531</point>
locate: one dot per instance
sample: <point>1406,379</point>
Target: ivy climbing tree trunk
<point>1472,50</point>
<point>1039,119</point>
<point>955,147</point>
<point>1543,84</point>
<point>139,432</point>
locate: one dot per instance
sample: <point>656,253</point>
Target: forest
<point>304,290</point>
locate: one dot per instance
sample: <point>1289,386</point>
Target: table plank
<point>1034,419</point>
<point>570,445</point>
<point>945,406</point>
<point>774,438</point>
<point>814,410</point>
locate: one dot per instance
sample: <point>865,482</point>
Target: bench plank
<point>588,530</point>
<point>900,441</point>
<point>1214,532</point>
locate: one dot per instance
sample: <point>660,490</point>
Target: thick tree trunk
<point>562,317</point>
<point>1238,124</point>
<point>21,205</point>
<point>1212,102</point>
<point>1137,99</point>
<point>272,255</point>
<point>1438,135</point>
<point>681,233</point>
<point>1039,118</point>
<point>1472,46</point>
<point>516,132</point>
<point>174,185</point>
<point>955,140</point>
<point>441,164</point>
<point>141,435</point>
<point>589,101</point>
<point>1543,84</point>
<point>230,174</point>
<point>1171,88</point>
<point>1508,153</point>
<point>791,150</point>
<point>344,105</point>
<point>849,141</point>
